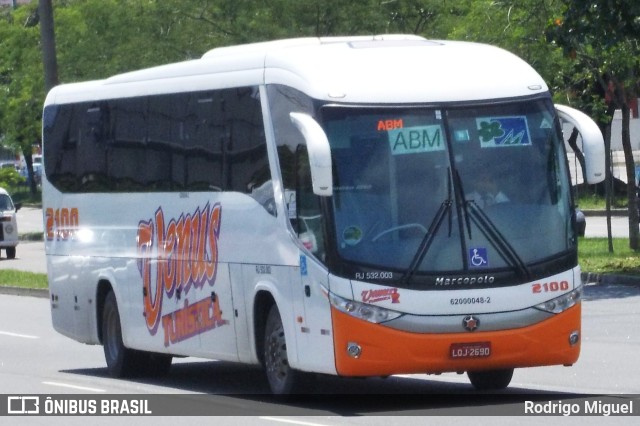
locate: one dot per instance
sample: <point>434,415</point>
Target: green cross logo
<point>490,130</point>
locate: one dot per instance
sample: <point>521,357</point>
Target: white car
<point>9,228</point>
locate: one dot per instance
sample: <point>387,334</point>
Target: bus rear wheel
<point>490,379</point>
<point>120,359</point>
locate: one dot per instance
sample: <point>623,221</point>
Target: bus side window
<point>307,204</point>
<point>245,155</point>
<point>303,206</point>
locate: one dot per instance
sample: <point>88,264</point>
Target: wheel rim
<point>277,363</point>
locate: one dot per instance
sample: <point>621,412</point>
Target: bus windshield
<point>477,188</point>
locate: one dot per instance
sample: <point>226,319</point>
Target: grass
<point>12,278</point>
<point>593,256</point>
<point>596,202</point>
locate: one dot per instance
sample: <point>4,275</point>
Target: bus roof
<point>362,69</point>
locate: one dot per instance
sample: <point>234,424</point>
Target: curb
<point>20,291</point>
<point>609,279</point>
<point>31,236</point>
<point>614,212</point>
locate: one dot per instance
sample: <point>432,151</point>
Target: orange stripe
<point>387,351</point>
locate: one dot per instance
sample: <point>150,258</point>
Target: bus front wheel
<point>491,379</point>
<point>280,375</point>
<point>282,378</point>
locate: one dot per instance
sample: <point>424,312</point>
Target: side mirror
<point>319,153</point>
<point>592,141</point>
<point>17,206</point>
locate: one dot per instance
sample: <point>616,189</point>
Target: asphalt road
<point>29,220</point>
<point>36,360</point>
<point>597,226</point>
<point>29,254</point>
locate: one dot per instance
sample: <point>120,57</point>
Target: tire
<point>491,379</point>
<point>121,361</point>
<point>282,379</point>
<point>11,252</point>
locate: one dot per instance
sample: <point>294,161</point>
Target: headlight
<point>562,303</point>
<point>374,314</point>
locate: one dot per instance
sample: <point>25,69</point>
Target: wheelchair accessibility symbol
<point>478,257</point>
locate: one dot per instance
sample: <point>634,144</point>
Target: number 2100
<point>550,287</point>
<point>61,223</point>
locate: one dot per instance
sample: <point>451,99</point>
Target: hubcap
<point>277,363</point>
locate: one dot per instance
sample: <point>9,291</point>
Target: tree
<point>99,38</point>
<point>21,82</point>
<point>603,38</point>
<point>517,26</point>
<point>48,42</point>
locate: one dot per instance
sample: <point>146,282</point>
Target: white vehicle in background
<point>9,228</point>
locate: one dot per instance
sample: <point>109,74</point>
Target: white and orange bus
<point>316,206</point>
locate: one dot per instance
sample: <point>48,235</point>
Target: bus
<point>313,206</point>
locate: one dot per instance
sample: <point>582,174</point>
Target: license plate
<point>470,350</point>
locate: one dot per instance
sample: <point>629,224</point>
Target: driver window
<point>303,206</point>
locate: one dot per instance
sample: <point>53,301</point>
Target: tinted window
<point>202,141</point>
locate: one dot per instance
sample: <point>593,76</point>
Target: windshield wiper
<point>497,239</point>
<point>476,215</point>
<point>434,226</point>
<point>463,203</point>
<point>428,239</point>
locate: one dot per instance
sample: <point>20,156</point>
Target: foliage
<point>21,80</point>
<point>10,179</point>
<point>518,26</point>
<point>573,44</point>
<point>602,37</point>
<point>99,38</point>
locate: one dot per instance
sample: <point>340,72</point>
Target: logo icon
<point>478,257</point>
<point>380,295</point>
<point>470,323</point>
<point>503,131</point>
<point>23,405</point>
